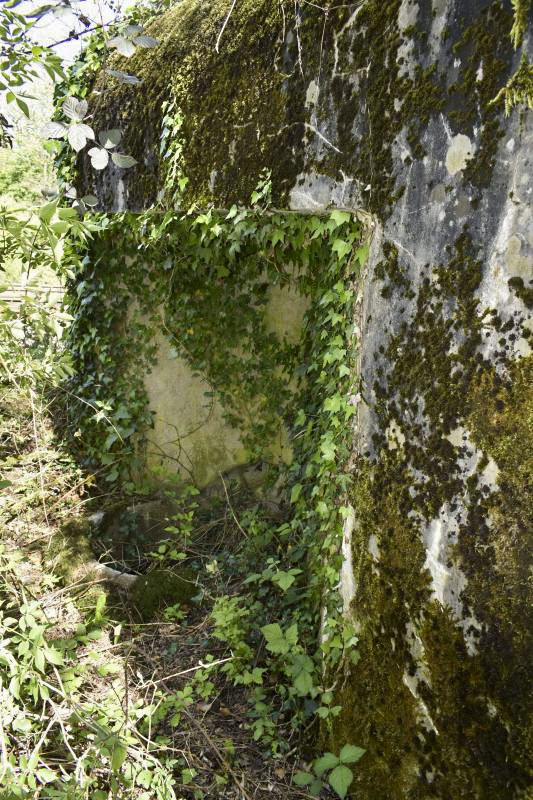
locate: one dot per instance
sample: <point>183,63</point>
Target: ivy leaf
<point>277,236</point>
<point>295,493</point>
<point>123,161</point>
<point>341,247</point>
<point>328,449</point>
<point>5,484</point>
<point>339,218</point>
<point>362,254</point>
<point>99,157</point>
<point>350,754</point>
<point>332,403</point>
<point>300,418</point>
<point>340,780</point>
<point>327,761</point>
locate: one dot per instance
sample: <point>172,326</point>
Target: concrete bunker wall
<point>387,107</point>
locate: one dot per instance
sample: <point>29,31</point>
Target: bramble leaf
<point>350,754</point>
<point>340,780</point>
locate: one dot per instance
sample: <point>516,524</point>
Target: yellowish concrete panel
<point>190,435</point>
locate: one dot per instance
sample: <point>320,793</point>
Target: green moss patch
<point>161,588</point>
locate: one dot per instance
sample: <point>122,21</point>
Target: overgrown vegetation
<point>228,657</point>
<point>92,702</point>
<point>280,575</point>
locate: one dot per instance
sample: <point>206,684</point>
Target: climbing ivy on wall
<point>204,279</point>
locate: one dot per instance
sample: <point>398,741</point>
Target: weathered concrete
<point>190,434</point>
<point>386,106</point>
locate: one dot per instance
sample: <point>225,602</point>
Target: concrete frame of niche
<point>188,431</point>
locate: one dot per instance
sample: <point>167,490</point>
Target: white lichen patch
<point>311,96</point>
<point>373,547</point>
<point>439,9</point>
<point>348,587</point>
<point>447,581</point>
<point>408,14</point>
<point>460,151</point>
<point>522,348</point>
<point>517,263</point>
<point>489,476</point>
<point>422,711</point>
<point>440,536</point>
<point>458,437</point>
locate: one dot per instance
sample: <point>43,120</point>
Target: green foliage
<point>227,260</point>
<point>519,89</point>
<point>101,746</point>
<point>170,151</point>
<point>22,175</point>
<point>21,57</point>
<point>521,12</point>
<point>340,776</point>
<point>45,241</point>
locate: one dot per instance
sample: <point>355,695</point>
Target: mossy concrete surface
<point>386,106</point>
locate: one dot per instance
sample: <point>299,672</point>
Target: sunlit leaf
<point>56,130</point>
<point>132,30</point>
<point>78,135</point>
<point>110,138</point>
<point>302,778</point>
<point>123,46</point>
<point>341,247</point>
<point>340,779</point>
<point>99,157</point>
<point>123,161</point>
<point>350,754</point>
<point>146,41</point>
<point>327,761</point>
<point>75,109</point>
